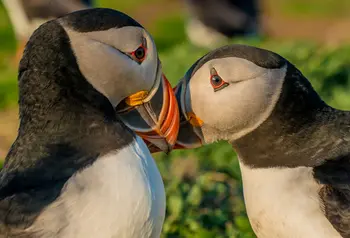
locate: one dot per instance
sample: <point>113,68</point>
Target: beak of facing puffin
<point>153,115</point>
<point>190,133</point>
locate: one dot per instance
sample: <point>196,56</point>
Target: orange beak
<point>190,134</point>
<point>153,115</point>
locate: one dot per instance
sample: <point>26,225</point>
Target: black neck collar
<point>301,131</point>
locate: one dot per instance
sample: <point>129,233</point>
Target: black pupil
<point>140,53</point>
<point>216,80</point>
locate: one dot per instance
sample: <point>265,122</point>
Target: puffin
<point>293,148</point>
<point>215,21</point>
<point>76,169</point>
<point>27,15</point>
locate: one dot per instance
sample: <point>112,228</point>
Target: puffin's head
<point>228,93</point>
<point>118,57</point>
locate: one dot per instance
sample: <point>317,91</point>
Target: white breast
<point>121,196</point>
<point>284,203</point>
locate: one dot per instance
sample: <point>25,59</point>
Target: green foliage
<point>169,31</point>
<point>7,42</point>
<point>8,91</point>
<point>8,83</point>
<point>124,6</point>
<point>204,193</point>
<point>314,8</point>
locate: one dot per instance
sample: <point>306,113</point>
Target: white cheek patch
<point>112,73</point>
<point>242,106</point>
<point>150,64</point>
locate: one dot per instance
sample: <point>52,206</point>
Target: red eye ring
<point>217,82</point>
<point>139,54</point>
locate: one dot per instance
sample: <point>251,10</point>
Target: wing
<point>27,186</point>
<point>335,193</point>
<point>19,206</point>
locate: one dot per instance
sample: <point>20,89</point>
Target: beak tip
<point>168,148</point>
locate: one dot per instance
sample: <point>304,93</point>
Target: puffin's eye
<point>217,82</point>
<point>139,54</point>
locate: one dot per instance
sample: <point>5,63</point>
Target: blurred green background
<point>204,191</point>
